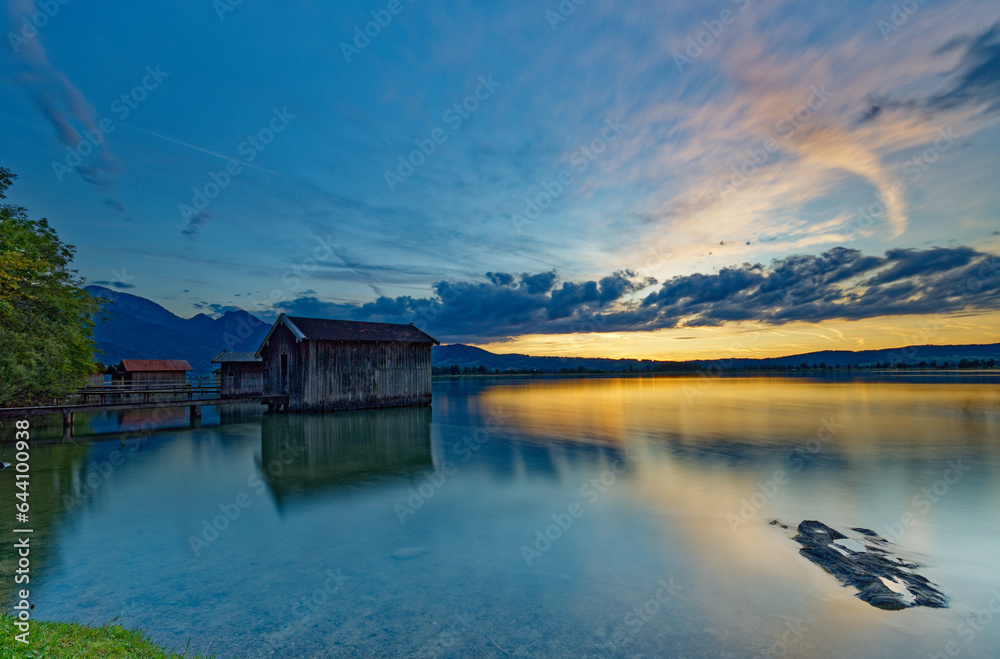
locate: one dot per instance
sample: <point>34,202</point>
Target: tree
<point>46,318</point>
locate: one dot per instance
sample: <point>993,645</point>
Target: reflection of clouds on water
<point>700,458</point>
<point>331,505</point>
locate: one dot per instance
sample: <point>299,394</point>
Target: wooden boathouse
<point>239,374</point>
<point>317,364</point>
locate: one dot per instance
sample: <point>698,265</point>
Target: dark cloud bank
<point>839,284</point>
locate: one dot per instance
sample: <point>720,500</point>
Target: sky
<point>623,179</point>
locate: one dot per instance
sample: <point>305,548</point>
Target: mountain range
<point>137,328</point>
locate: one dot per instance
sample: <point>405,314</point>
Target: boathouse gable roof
<point>325,329</point>
<point>227,357</point>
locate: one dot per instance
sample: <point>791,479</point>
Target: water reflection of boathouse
<point>305,453</point>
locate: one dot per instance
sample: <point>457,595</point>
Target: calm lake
<point>593,517</point>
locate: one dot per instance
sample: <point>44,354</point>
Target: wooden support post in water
<point>69,416</point>
<point>195,415</point>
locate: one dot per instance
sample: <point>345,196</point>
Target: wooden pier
<point>132,396</point>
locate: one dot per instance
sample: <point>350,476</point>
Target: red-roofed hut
<point>150,371</point>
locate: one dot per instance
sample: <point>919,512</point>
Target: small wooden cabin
<point>322,364</point>
<point>239,374</point>
<point>150,371</point>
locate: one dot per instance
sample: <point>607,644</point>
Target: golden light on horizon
<point>758,341</point>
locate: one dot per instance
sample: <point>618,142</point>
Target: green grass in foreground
<point>60,640</point>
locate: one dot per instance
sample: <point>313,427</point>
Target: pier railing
<point>147,391</point>
<point>113,396</point>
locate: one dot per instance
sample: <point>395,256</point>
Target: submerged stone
<point>409,552</point>
<point>882,579</point>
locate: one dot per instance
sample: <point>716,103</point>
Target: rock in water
<point>409,552</point>
<point>883,580</point>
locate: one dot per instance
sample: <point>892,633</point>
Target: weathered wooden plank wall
<point>354,375</point>
<point>241,378</point>
<point>282,341</point>
<point>338,375</point>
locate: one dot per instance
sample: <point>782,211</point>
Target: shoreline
<point>70,640</point>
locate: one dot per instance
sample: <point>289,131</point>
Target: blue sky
<point>857,126</point>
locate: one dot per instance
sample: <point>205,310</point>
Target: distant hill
<point>463,356</point>
<point>137,328</point>
<point>911,355</point>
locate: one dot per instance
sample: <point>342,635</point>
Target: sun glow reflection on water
<point>572,517</point>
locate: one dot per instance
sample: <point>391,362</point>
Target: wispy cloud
<point>64,106</point>
<point>757,147</point>
<point>120,285</point>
